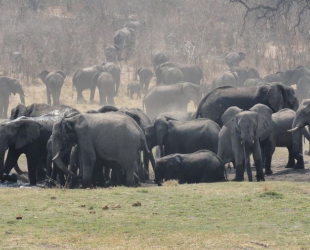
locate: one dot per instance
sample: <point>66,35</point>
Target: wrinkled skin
<point>233,59</point>
<point>158,57</point>
<point>9,86</point>
<point>105,84</point>
<point>92,133</point>
<point>145,76</point>
<point>276,96</point>
<point>240,137</point>
<point>134,88</point>
<point>53,82</point>
<point>182,136</point>
<point>197,167</point>
<point>115,71</point>
<point>124,40</point>
<point>163,98</point>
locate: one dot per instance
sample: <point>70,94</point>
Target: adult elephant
<point>276,96</point>
<point>244,73</point>
<point>168,75</point>
<point>115,71</point>
<point>110,53</point>
<point>226,78</point>
<point>158,57</point>
<point>241,136</point>
<point>9,86</point>
<point>27,136</point>
<point>162,98</point>
<point>53,82</point>
<point>197,167</point>
<point>292,76</point>
<point>93,133</point>
<point>145,76</point>
<point>82,79</point>
<point>105,83</point>
<point>124,40</point>
<point>191,72</point>
<point>233,59</point>
<point>183,137</point>
<point>303,88</point>
<point>276,77</point>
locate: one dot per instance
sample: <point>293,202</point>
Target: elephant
<point>162,98</point>
<point>82,79</point>
<point>280,137</point>
<point>39,109</point>
<point>105,83</point>
<point>303,88</point>
<point>244,73</point>
<point>226,78</point>
<point>241,135</point>
<point>9,86</point>
<point>110,53</point>
<point>115,71</point>
<point>111,139</point>
<point>145,76</point>
<point>233,59</point>
<point>276,96</point>
<point>182,137</point>
<point>206,88</point>
<point>191,72</point>
<point>168,75</point>
<point>177,115</point>
<point>134,88</point>
<point>158,57</point>
<point>53,82</point>
<point>29,136</point>
<point>254,82</point>
<point>292,76</point>
<point>277,77</point>
<point>137,25</point>
<point>197,167</point>
<point>124,40</point>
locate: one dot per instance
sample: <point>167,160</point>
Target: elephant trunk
<point>60,164</point>
<point>87,177</point>
<point>247,146</point>
<point>22,96</point>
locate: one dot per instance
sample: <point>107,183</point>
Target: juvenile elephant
<point>115,71</point>
<point>9,86</point>
<point>124,40</point>
<point>53,82</point>
<point>201,166</point>
<point>82,79</point>
<point>93,133</point>
<point>276,96</point>
<point>110,53</point>
<point>168,75</point>
<point>105,83</point>
<point>244,73</point>
<point>233,59</point>
<point>276,77</point>
<point>145,76</point>
<point>226,78</point>
<point>191,72</point>
<point>162,98</point>
<point>241,136</point>
<point>134,88</point>
<point>158,57</point>
<point>182,136</point>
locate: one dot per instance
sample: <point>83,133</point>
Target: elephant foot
<point>268,172</point>
<point>238,179</point>
<point>289,166</point>
<point>80,101</point>
<point>9,177</point>
<point>299,166</point>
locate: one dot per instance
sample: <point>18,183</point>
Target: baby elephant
<point>134,88</point>
<point>201,166</point>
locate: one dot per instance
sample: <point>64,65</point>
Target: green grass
<point>203,216</point>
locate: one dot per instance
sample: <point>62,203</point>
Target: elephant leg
<point>130,181</point>
<point>48,96</point>
<point>87,159</point>
<point>291,160</point>
<point>79,96</point>
<point>297,151</point>
<point>5,106</point>
<point>239,160</point>
<point>257,155</point>
<point>92,94</point>
<point>267,152</point>
<point>32,164</point>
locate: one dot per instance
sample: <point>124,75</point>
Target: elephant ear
<point>43,75</point>
<point>275,97</point>
<point>61,73</point>
<point>133,116</point>
<point>28,131</point>
<point>229,118</point>
<point>19,110</point>
<point>265,122</point>
<point>139,71</point>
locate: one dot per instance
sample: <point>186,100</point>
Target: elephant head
<point>16,87</point>
<point>18,111</point>
<point>247,129</point>
<point>302,118</point>
<point>192,92</point>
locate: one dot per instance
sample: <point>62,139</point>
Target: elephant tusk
<point>293,129</point>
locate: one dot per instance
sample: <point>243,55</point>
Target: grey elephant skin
<point>276,96</point>
<point>168,75</point>
<point>9,86</point>
<point>275,77</point>
<point>244,73</point>
<point>111,139</point>
<point>163,98</point>
<point>110,53</point>
<point>226,78</point>
<point>124,40</point>
<point>191,72</point>
<point>53,82</point>
<point>134,88</point>
<point>303,88</point>
<point>292,76</point>
<point>27,136</point>
<point>145,76</point>
<point>137,25</point>
<point>115,71</point>
<point>233,59</point>
<point>182,136</point>
<point>241,136</point>
<point>82,79</point>
<point>158,57</point>
<point>106,87</point>
<point>254,82</point>
<point>197,167</point>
